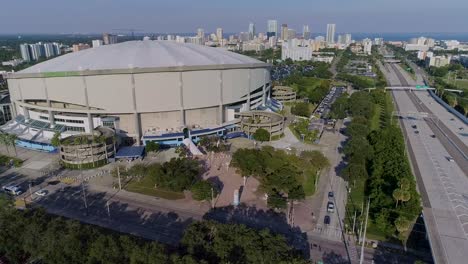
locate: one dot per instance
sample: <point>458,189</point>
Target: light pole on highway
<point>365,230</point>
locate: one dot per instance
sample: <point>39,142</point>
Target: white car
<point>41,193</point>
<point>330,207</point>
<point>450,159</point>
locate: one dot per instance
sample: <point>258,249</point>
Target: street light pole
<point>364,236</point>
<point>118,175</point>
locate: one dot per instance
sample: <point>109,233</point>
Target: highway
<point>443,184</point>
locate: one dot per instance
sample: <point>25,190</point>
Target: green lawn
<point>460,83</point>
<point>145,186</point>
<point>309,182</point>
<point>375,120</point>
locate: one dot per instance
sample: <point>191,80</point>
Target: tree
<point>276,200</point>
<point>316,158</point>
<point>402,224</point>
<point>261,135</point>
<point>300,109</point>
<point>55,141</point>
<point>203,190</point>
<point>11,139</point>
<point>152,146</point>
<point>296,193</point>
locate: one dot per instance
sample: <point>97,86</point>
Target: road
<point>443,185</point>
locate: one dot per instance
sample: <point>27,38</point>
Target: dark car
<point>330,194</point>
<point>326,220</point>
<point>414,126</point>
<point>416,132</point>
<point>433,136</point>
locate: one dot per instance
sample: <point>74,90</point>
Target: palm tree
<point>12,141</point>
<point>4,141</point>
<point>398,195</point>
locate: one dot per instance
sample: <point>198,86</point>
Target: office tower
<point>25,54</point>
<point>109,39</point>
<point>201,33</point>
<point>272,30</point>
<point>331,33</point>
<point>219,34</point>
<point>306,32</point>
<point>341,39</point>
<point>284,32</point>
<point>97,43</point>
<point>348,39</point>
<point>251,30</point>
<point>291,33</point>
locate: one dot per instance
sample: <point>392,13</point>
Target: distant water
<point>406,36</point>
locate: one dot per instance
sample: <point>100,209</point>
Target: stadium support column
<point>181,91</point>
<point>90,117</point>
<point>220,116</point>
<point>136,115</point>
<point>25,109</point>
<point>49,104</point>
<point>250,89</point>
<point>264,88</point>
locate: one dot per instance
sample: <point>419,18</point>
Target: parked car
<point>326,220</point>
<point>41,193</point>
<point>330,207</point>
<point>12,190</point>
<point>450,159</point>
<point>330,194</point>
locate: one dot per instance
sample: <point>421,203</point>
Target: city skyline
<point>397,16</point>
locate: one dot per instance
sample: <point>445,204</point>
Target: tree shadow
<point>219,185</point>
<point>165,227</point>
<point>261,219</point>
<point>334,258</point>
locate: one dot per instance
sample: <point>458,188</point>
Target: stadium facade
<point>146,90</point>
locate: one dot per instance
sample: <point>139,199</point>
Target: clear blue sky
<point>95,16</point>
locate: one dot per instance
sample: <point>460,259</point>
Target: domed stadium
<point>147,90</point>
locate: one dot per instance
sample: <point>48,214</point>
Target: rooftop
<point>140,55</point>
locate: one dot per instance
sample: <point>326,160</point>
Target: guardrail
<point>449,108</point>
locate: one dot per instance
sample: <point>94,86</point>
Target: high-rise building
<point>306,32</point>
<point>97,43</point>
<point>37,51</point>
<point>331,33</point>
<point>291,33</point>
<point>25,53</point>
<point>348,39</point>
<point>272,30</point>
<point>219,34</point>
<point>201,34</point>
<point>284,31</point>
<point>109,39</point>
<point>49,50</point>
<point>251,30</point>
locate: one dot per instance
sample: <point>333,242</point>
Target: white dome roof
<point>141,54</point>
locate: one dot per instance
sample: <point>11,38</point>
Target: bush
<point>152,146</point>
<point>201,190</point>
<point>261,135</point>
<point>301,109</point>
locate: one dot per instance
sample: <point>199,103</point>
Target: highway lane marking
<point>446,187</point>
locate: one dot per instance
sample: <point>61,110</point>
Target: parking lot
<point>281,72</point>
<point>323,109</point>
